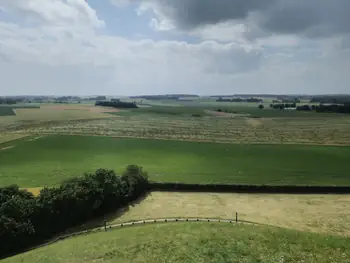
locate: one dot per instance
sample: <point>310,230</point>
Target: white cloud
<point>55,12</point>
<point>163,25</point>
<point>51,58</point>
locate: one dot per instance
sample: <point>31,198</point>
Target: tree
<point>26,220</point>
<point>261,106</point>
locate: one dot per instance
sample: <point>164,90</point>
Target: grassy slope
<point>49,160</point>
<point>194,242</point>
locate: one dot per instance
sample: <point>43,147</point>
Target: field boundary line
<point>13,140</point>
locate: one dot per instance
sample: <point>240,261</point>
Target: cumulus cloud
<point>55,12</point>
<point>57,47</point>
<point>310,18</point>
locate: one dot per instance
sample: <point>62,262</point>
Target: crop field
<point>41,161</point>
<point>224,128</point>
<point>313,213</point>
<point>35,116</point>
<point>193,242</point>
<point>164,111</point>
<point>194,123</point>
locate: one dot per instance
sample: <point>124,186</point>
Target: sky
<point>133,47</point>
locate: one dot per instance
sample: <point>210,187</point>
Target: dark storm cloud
<point>312,18</point>
<point>193,13</point>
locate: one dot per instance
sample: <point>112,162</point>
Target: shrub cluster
<point>116,104</point>
<point>282,106</point>
<point>26,220</point>
<point>333,108</point>
<point>335,99</point>
<point>239,100</point>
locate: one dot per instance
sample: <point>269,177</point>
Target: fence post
<point>236,217</point>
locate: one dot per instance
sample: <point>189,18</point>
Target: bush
<point>26,220</point>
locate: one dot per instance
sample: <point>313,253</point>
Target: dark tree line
<point>282,106</point>
<point>98,98</point>
<point>26,220</point>
<point>334,99</point>
<point>239,100</point>
<point>8,101</point>
<point>333,108</point>
<point>165,97</point>
<point>157,97</point>
<point>116,104</point>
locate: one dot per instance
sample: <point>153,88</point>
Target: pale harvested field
<point>255,122</point>
<point>330,131</point>
<point>34,190</point>
<point>50,113</point>
<point>81,119</point>
<point>81,107</point>
<point>314,213</point>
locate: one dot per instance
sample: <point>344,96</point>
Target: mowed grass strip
<point>47,161</point>
<point>315,213</point>
<point>193,242</point>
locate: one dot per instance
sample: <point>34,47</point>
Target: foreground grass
<point>316,213</point>
<point>194,242</point>
<point>49,160</point>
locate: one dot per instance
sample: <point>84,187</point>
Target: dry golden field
<point>315,213</point>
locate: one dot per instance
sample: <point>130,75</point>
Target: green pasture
<point>193,242</point>
<point>49,160</point>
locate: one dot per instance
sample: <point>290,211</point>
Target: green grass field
<point>49,160</point>
<point>194,242</point>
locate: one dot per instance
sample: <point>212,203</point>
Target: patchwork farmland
<point>49,147</point>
